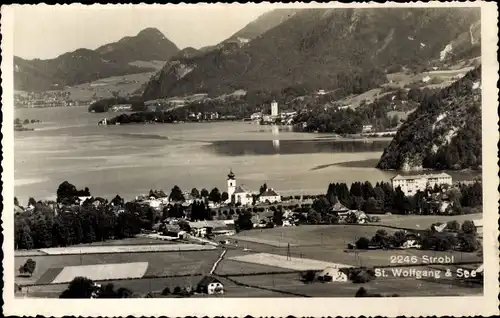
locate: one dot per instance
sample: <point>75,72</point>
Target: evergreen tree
<point>42,234</point>
<point>195,193</point>
<point>401,202</point>
<point>368,191</point>
<point>356,189</point>
<point>26,241</point>
<point>176,194</point>
<point>215,195</point>
<point>32,201</point>
<point>204,193</point>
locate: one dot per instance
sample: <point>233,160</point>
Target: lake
<point>132,159</point>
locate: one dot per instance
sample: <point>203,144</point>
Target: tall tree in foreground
<point>79,287</point>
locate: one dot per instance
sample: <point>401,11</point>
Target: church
<point>237,194</point>
<point>240,194</point>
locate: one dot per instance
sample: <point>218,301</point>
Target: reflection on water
<point>276,141</point>
<point>286,147</point>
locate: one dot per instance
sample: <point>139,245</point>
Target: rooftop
<point>339,207</point>
<point>269,193</point>
<point>207,280</point>
<point>240,189</point>
<point>213,224</point>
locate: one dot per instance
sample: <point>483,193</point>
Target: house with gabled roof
<point>338,208</point>
<point>210,285</point>
<point>269,195</point>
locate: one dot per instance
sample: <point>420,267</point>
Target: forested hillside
<point>349,50</point>
<point>443,133</point>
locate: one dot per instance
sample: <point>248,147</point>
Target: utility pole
<point>288,255</point>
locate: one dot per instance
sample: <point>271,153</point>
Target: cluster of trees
<point>51,224</point>
<point>454,237</point>
<point>27,268</point>
<point>83,287</point>
<point>43,228</point>
<point>350,121</point>
<point>355,275</point>
<point>145,117</point>
<point>384,198</point>
<point>67,193</point>
<point>462,238</point>
<point>432,124</point>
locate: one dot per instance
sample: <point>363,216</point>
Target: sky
<point>44,31</point>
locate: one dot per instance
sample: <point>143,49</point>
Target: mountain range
<point>349,50</point>
<point>322,48</point>
<point>84,65</point>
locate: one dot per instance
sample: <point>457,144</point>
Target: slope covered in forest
<point>349,50</point>
<point>443,133</point>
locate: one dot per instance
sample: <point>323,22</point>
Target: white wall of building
<point>411,185</point>
<point>231,186</point>
<point>211,288</point>
<point>271,199</point>
<point>242,198</point>
<point>274,109</point>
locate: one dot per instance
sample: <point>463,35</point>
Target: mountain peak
<point>151,32</point>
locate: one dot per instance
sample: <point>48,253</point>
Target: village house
<point>332,274</point>
<point>479,227</point>
<point>256,116</point>
<point>216,227</point>
<point>339,209</point>
<point>210,285</point>
<point>269,196</point>
<point>411,184</point>
<point>367,128</point>
<point>171,230</point>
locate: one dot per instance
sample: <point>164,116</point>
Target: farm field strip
<point>102,271</point>
<point>271,242</point>
<point>288,263</point>
<point>125,249</point>
<point>161,264</point>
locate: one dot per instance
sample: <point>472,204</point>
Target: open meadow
<point>159,264</point>
<point>124,249</point>
<point>328,243</point>
<point>422,222</point>
<point>104,88</point>
<point>127,241</point>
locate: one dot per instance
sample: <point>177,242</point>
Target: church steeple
<point>231,185</point>
<point>231,175</point>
